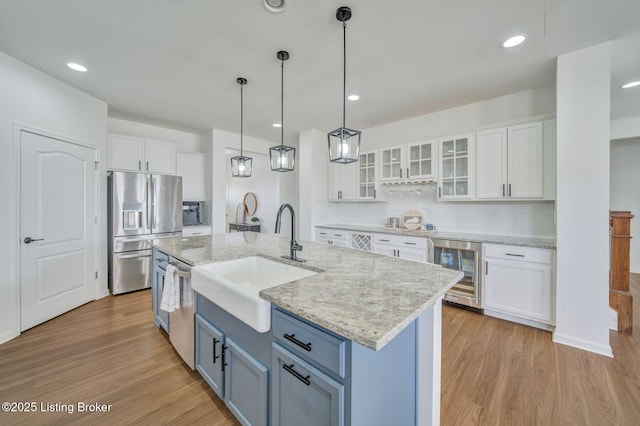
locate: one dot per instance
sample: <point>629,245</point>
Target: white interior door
<point>58,210</point>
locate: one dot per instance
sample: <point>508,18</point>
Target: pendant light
<point>283,157</point>
<point>241,165</point>
<point>344,143</point>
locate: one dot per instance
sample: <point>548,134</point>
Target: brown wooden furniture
<point>620,298</point>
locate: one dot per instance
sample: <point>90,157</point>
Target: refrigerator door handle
<point>150,203</point>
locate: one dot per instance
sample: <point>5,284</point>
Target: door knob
<point>29,240</point>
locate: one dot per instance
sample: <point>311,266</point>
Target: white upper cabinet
<point>456,167</point>
<point>415,161</point>
<point>421,160</point>
<point>191,168</point>
<point>367,175</point>
<point>509,162</point>
<point>161,157</point>
<point>141,155</point>
<point>342,181</point>
<point>392,163</point>
<point>126,153</point>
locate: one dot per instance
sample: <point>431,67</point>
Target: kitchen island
<point>382,316</point>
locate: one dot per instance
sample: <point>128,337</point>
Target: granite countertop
<point>364,297</point>
<point>549,243</point>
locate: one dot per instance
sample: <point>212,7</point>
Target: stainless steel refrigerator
<point>141,207</point>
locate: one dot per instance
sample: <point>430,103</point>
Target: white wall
<point>215,143</point>
<point>625,128</point>
<point>486,114</point>
<point>262,183</point>
<point>185,141</point>
<point>313,160</point>
<point>583,131</point>
<point>624,189</point>
<point>34,99</point>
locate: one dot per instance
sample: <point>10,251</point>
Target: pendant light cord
<point>344,72</point>
<point>241,116</point>
<point>282,103</point>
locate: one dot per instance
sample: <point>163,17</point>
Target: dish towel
<point>171,293</point>
<point>187,293</point>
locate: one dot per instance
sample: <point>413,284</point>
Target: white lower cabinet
<point>192,231</point>
<point>332,237</point>
<point>518,284</point>
<point>409,248</point>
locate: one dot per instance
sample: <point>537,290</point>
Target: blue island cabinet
<point>300,374</point>
<point>319,378</point>
<point>231,357</point>
<point>160,317</point>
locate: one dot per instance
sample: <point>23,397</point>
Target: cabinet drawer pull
<point>215,342</point>
<point>139,165</point>
<point>413,244</point>
<point>292,339</point>
<point>147,165</point>
<point>503,190</point>
<point>386,241</point>
<point>513,254</point>
<point>323,233</point>
<point>297,375</point>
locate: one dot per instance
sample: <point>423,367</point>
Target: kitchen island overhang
<point>362,297</point>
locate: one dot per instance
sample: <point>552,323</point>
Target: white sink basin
<point>234,285</point>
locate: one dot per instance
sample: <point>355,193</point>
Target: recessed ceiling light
<point>514,41</point>
<point>274,5</point>
<point>77,67</point>
<point>353,97</point>
<point>277,125</point>
<point>631,84</point>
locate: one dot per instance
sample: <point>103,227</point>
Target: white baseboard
<point>585,345</point>
<point>634,271</point>
<point>514,318</point>
<point>613,319</point>
<point>10,335</point>
<point>104,293</point>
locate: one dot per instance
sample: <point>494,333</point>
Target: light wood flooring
<point>493,372</point>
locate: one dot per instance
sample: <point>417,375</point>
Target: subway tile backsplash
<point>516,218</point>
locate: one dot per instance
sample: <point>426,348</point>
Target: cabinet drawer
<point>160,259</point>
<point>310,342</point>
<point>332,234</point>
<point>525,254</point>
<point>399,240</point>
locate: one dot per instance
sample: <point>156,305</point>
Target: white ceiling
<point>176,61</point>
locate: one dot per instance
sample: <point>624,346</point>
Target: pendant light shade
<point>344,143</point>
<point>241,165</point>
<point>283,157</point>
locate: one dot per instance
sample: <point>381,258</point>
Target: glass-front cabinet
<point>367,175</point>
<point>411,162</point>
<point>392,161</point>
<point>455,167</point>
<point>420,160</point>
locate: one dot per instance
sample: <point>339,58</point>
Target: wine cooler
<point>462,256</point>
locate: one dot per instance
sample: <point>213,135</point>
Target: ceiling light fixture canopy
<point>283,158</point>
<point>275,6</point>
<point>344,143</point>
<point>241,165</point>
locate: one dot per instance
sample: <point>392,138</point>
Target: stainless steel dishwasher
<point>462,256</point>
<point>181,321</point>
